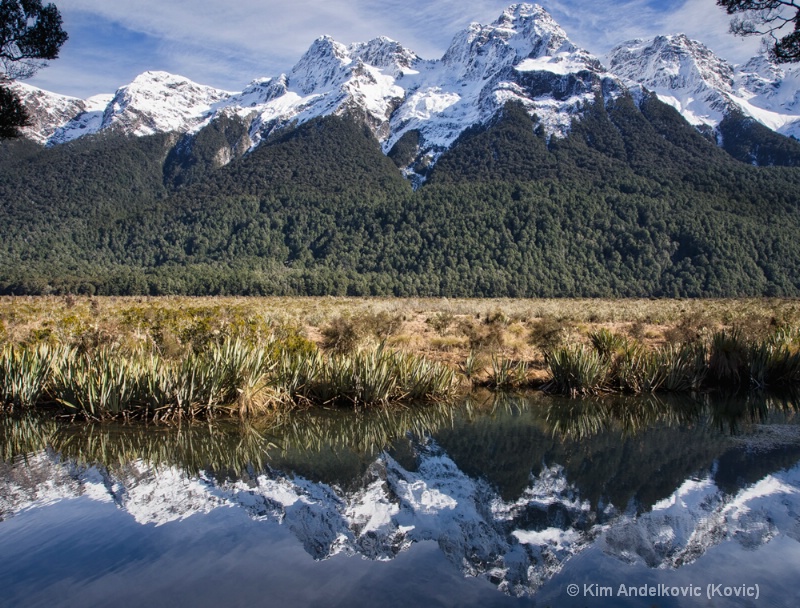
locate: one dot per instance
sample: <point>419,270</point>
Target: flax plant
<point>641,371</point>
<point>576,370</point>
<point>25,373</point>
<point>98,384</point>
<point>374,380</point>
<point>506,374</point>
<point>607,343</point>
<point>773,364</point>
<point>420,379</point>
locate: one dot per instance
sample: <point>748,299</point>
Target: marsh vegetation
<point>173,358</point>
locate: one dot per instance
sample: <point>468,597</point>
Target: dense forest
<point>634,202</point>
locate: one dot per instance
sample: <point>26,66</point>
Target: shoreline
<point>283,353</point>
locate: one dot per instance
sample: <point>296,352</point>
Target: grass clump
<point>231,378</point>
<point>422,379</point>
<point>607,343</point>
<point>579,371</point>
<point>364,378</point>
<point>576,371</point>
<point>773,365</point>
<point>668,368</point>
<point>507,374</point>
<point>97,385</point>
<point>728,356</point>
<point>25,373</point>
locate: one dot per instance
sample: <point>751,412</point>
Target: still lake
<point>498,501</point>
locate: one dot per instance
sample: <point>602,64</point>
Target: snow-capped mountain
<point>705,88</point>
<point>523,56</point>
<point>48,111</point>
<point>155,102</point>
<point>330,78</point>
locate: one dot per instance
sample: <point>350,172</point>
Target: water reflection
<point>509,488</point>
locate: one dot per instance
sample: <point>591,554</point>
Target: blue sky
<point>228,44</point>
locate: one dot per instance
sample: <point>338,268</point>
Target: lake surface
<point>498,501</point>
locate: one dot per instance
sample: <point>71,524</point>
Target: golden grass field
<point>445,330</point>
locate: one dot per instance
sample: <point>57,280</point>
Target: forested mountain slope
<point>633,202</point>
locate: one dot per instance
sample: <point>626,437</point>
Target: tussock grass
<point>607,343</point>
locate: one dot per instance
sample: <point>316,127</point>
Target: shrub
<point>441,322</point>
<point>382,325</point>
<point>548,333</point>
<point>342,335</point>
<point>482,337</point>
<point>691,329</point>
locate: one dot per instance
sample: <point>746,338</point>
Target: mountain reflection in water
<point>518,493</point>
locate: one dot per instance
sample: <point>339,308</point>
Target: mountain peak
<point>521,32</point>
<point>523,12</point>
<point>154,102</point>
<point>46,110</point>
<point>705,88</point>
<point>523,56</point>
<point>384,53</point>
<point>320,65</point>
<point>674,61</point>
